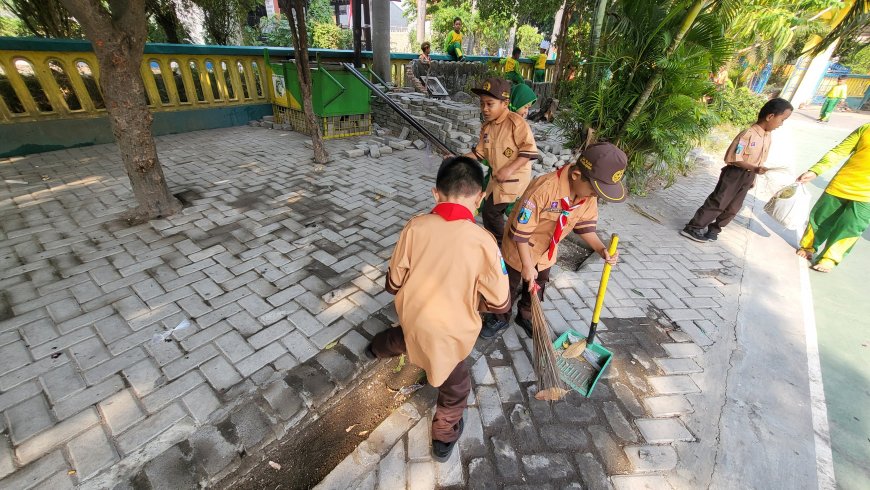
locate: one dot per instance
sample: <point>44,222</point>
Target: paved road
<point>842,310</point>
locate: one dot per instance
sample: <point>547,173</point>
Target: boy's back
<point>442,272</point>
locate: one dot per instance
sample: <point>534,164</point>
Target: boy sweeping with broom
<point>554,204</point>
<point>444,270</point>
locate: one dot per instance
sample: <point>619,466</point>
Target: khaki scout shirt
<point>751,146</point>
<point>501,142</point>
<point>534,219</point>
<point>443,273</point>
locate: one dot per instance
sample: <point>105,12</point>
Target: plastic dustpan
<point>578,372</point>
<point>582,372</point>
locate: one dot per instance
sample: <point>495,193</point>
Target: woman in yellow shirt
<point>842,214</point>
<point>837,94</point>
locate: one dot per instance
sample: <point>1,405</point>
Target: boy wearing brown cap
<point>444,270</point>
<point>507,145</point>
<point>554,204</point>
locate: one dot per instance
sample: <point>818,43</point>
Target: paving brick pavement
<point>272,261</point>
<point>624,435</point>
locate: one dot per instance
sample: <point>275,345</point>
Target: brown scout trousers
<point>452,394</point>
<point>726,200</point>
<point>520,287</point>
<point>493,217</point>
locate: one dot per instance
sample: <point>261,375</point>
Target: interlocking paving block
<point>668,405</point>
<point>211,450</point>
<point>508,387</point>
<point>547,466</point>
<point>171,470</point>
<point>421,476</point>
<point>678,365</point>
<point>472,441</point>
<point>618,422</point>
<point>450,472</point>
<point>651,458</point>
<point>28,418</point>
<point>608,450</point>
<point>673,385</point>
<point>482,475</point>
<point>396,425</point>
<point>490,406</point>
<point>684,349</point>
<point>391,469</point>
<point>91,452</point>
<point>419,441</point>
<point>663,431</point>
<point>33,448</point>
<point>481,373</point>
<point>505,457</point>
<point>120,411</point>
<point>640,482</point>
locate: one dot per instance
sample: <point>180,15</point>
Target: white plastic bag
<point>790,206</point>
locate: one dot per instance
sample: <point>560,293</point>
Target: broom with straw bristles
<point>550,384</point>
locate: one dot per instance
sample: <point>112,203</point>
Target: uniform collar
<point>758,129</point>
<point>565,187</point>
<point>451,211</point>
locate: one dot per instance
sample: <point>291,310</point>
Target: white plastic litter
<point>164,337</point>
<point>790,206</point>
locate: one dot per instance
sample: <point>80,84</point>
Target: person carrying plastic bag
<point>790,206</point>
<point>842,214</point>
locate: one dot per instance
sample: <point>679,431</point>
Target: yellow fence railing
<point>42,85</point>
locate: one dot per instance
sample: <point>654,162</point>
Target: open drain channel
<point>307,455</point>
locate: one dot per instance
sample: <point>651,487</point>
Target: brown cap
<point>500,88</point>
<point>604,164</point>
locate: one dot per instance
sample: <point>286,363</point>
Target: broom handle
<point>602,289</point>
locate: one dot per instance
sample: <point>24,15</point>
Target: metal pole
<point>367,26</point>
<point>396,107</point>
<point>357,32</point>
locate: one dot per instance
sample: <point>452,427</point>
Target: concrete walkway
<point>275,259</point>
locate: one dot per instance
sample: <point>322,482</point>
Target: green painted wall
<point>23,138</point>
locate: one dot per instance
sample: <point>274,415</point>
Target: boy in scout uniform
<point>743,161</point>
<point>444,270</point>
<point>553,205</point>
<point>507,145</point>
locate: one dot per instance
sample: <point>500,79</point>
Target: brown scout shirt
<point>534,219</point>
<point>501,142</point>
<point>751,146</point>
<point>443,273</point>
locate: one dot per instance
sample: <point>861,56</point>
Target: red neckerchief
<point>451,211</point>
<point>566,206</point>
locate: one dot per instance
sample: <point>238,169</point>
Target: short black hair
<point>425,45</point>
<point>774,106</point>
<point>455,19</point>
<point>841,77</point>
<point>459,177</point>
<point>517,51</point>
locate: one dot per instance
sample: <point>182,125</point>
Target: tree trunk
<point>118,39</point>
<point>512,36</point>
<point>166,17</point>
<point>595,37</point>
<point>654,81</point>
<point>381,38</point>
<point>298,30</point>
<point>563,58</point>
<point>421,22</point>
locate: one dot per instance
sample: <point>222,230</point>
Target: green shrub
<point>330,36</point>
<point>737,106</point>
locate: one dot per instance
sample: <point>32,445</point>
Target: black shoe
<point>492,328</point>
<point>369,353</point>
<point>694,234</point>
<point>441,450</point>
<point>712,237</point>
<point>526,325</point>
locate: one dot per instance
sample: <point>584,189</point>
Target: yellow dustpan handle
<point>605,277</point>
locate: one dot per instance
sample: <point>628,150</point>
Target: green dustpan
<point>582,373</point>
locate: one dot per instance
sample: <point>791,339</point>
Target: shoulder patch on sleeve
<point>524,216</point>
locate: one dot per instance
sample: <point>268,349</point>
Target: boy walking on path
<point>743,161</point>
<point>842,214</point>
<point>837,94</point>
<point>551,207</point>
<point>444,270</point>
<point>507,145</point>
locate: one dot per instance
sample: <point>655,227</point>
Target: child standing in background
<point>837,94</point>
<point>512,67</point>
<point>453,41</point>
<point>743,161</point>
